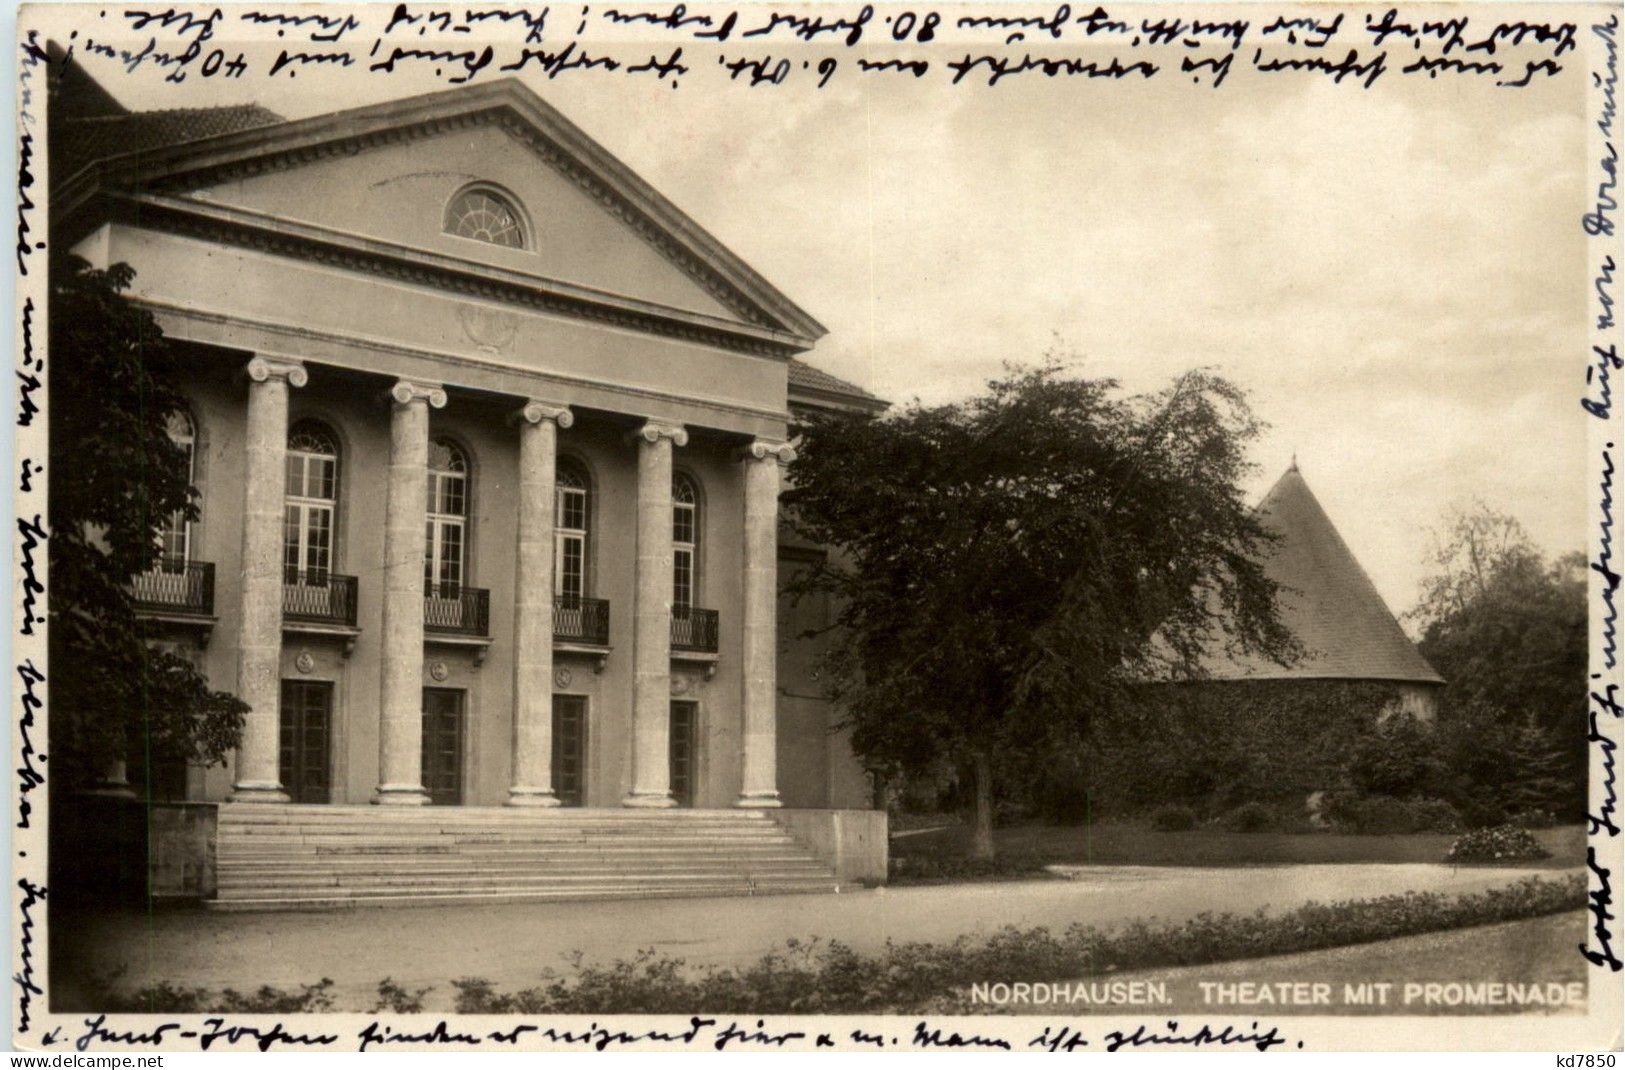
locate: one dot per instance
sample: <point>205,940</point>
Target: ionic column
<point>259,642</point>
<point>533,607</point>
<point>759,780</point>
<point>651,654</point>
<point>400,716</point>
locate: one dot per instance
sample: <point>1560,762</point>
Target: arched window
<point>175,543</point>
<point>570,532</point>
<point>445,540</point>
<point>685,535</point>
<point>485,215</point>
<point>311,503</point>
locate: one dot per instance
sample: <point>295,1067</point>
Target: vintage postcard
<point>855,526</point>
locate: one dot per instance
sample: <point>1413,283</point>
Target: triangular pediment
<point>385,174</point>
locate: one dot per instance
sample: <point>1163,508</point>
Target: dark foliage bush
<point>1173,818</point>
<point>103,995</point>
<point>934,869</point>
<point>833,978</point>
<point>392,997</point>
<point>1397,760</point>
<point>1386,815</point>
<point>1503,843</point>
<point>1249,817</point>
<point>1496,766</point>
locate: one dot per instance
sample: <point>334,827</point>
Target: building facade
<point>488,436</point>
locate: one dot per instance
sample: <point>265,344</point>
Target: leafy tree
<point>1004,562</point>
<point>115,475</point>
<point>1507,630</point>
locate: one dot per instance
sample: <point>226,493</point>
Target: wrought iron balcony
<point>580,620</point>
<point>453,610</point>
<point>175,586</point>
<point>319,598</point>
<point>694,630</point>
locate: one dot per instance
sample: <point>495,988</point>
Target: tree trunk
<point>981,842</point>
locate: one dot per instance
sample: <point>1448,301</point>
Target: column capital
<point>406,391</point>
<point>654,430</point>
<point>537,410</point>
<point>261,369</point>
<point>768,448</point>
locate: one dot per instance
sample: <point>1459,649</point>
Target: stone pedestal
<point>651,682</point>
<point>400,728</point>
<point>759,774</point>
<point>259,646</point>
<point>533,607</point>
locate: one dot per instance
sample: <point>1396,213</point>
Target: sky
<point>1397,276</point>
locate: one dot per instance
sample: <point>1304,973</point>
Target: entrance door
<point>306,724</point>
<point>443,745</point>
<point>685,717</point>
<point>570,749</point>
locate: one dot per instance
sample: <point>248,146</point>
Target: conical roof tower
<point>1326,601</point>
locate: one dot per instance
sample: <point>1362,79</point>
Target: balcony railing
<point>319,598</point>
<point>694,630</point>
<point>449,610</point>
<point>580,620</point>
<point>175,586</point>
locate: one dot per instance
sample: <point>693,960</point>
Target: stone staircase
<point>331,857</point>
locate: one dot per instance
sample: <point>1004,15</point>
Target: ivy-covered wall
<point>1214,745</point>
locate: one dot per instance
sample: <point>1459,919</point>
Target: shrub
<point>1397,759</point>
<point>933,869</point>
<point>1536,818</point>
<point>1384,815</point>
<point>1503,843</point>
<point>1173,818</point>
<point>1249,817</point>
<point>167,998</point>
<point>392,997</point>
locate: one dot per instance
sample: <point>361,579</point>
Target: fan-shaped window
<point>445,537</point>
<point>175,542</point>
<point>487,216</point>
<point>570,531</point>
<point>684,541</point>
<point>311,503</point>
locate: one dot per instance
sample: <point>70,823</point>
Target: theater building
<point>489,439</point>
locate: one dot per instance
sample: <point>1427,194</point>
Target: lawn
<point>1026,849</point>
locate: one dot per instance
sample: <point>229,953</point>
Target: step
<point>283,845</point>
<point>541,881</point>
<point>335,857</point>
<point>463,864</point>
<point>608,891</point>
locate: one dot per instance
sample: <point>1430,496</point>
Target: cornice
<point>551,381</point>
<point>335,249</point>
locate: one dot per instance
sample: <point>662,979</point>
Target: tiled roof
<point>88,124</point>
<point>78,141</point>
<point>1327,601</point>
<point>808,377</point>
